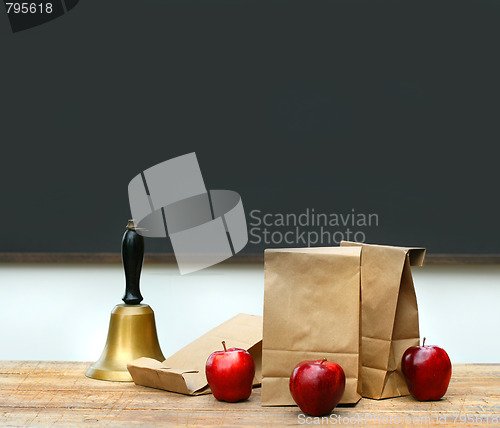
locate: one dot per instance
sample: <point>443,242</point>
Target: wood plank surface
<point>43,393</point>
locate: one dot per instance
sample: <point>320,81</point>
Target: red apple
<point>317,386</point>
<point>427,370</point>
<point>230,374</point>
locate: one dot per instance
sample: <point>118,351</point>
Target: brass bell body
<point>131,335</point>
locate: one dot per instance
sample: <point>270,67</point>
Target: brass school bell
<point>132,329</point>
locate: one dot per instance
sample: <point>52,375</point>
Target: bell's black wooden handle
<point>132,258</point>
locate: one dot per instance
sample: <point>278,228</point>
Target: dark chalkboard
<point>382,108</point>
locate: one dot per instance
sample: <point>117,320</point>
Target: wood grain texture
<point>41,393</point>
<point>430,259</point>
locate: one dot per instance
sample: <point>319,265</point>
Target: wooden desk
<point>58,393</point>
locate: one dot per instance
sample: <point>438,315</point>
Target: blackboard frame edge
<point>248,258</point>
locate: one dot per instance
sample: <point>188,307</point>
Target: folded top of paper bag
<point>184,371</point>
<point>416,255</point>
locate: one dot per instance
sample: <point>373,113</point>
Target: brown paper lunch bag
<point>311,311</point>
<point>389,316</point>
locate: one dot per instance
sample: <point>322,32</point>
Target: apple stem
<point>322,361</point>
<point>423,342</point>
<point>224,345</point>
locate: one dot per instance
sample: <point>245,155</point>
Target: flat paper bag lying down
<point>184,372</point>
